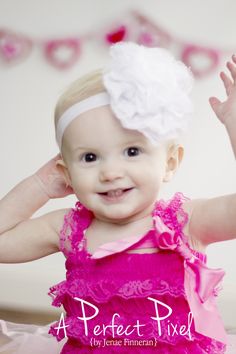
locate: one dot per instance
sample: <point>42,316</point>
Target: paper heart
<point>14,47</point>
<point>151,38</point>
<point>62,53</point>
<point>201,60</point>
<point>117,35</point>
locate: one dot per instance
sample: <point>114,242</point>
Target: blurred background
<point>43,47</point>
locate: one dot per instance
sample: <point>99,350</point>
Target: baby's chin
<point>117,214</point>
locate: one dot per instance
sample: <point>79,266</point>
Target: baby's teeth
<point>115,193</point>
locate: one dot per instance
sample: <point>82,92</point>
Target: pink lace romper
<point>123,302</point>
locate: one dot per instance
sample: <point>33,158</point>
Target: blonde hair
<point>84,87</point>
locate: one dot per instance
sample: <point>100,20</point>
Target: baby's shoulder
<point>188,207</point>
<point>57,219</point>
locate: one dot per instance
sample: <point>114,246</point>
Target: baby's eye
<point>132,151</point>
<point>89,157</point>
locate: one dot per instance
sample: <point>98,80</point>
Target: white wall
<point>29,91</point>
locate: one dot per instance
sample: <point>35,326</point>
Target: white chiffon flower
<point>149,90</point>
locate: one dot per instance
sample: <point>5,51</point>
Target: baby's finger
<point>57,158</point>
<point>217,107</point>
<point>228,84</point>
<point>232,69</point>
<point>234,58</point>
<point>215,104</point>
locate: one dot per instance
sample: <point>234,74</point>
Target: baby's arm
<point>23,239</point>
<point>211,220</point>
<point>226,111</point>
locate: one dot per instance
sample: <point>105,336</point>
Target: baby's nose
<point>110,171</point>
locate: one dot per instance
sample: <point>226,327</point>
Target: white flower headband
<point>147,89</point>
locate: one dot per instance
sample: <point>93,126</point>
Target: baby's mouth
<point>115,193</point>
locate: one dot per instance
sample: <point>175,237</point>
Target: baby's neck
<point>135,227</point>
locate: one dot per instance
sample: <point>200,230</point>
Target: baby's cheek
<point>77,174</point>
<point>81,184</point>
<point>80,192</point>
<point>150,171</point>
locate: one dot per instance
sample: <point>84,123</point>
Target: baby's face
<point>115,172</point>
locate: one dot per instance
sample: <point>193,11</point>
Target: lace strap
<point>75,223</point>
<point>65,232</point>
<point>172,213</point>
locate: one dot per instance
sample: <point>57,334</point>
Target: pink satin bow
<point>200,282</point>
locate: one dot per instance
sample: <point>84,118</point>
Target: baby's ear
<point>175,155</point>
<point>62,167</point>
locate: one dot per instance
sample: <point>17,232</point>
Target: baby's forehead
<point>98,140</point>
<point>101,126</point>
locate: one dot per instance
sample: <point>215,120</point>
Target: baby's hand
<point>226,110</point>
<point>52,181</point>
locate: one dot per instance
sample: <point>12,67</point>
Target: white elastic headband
<point>99,100</point>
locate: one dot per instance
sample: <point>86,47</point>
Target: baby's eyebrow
<point>129,142</point>
<point>82,148</point>
<point>135,142</point>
